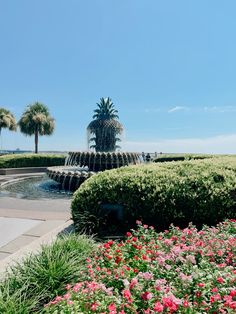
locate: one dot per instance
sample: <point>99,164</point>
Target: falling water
<point>81,165</point>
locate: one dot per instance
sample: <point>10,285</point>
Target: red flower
<point>185,303</point>
<point>94,306</point>
<point>220,280</point>
<point>198,294</point>
<point>146,296</point>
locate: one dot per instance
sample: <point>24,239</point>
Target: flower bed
<point>176,271</point>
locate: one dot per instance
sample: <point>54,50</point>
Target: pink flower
<point>127,294</point>
<point>146,276</point>
<point>112,308</point>
<point>66,296</point>
<point>201,285</point>
<point>214,289</point>
<point>133,283</point>
<point>58,299</point>
<point>185,277</point>
<point>167,302</point>
<point>158,307</point>
<point>191,259</point>
<point>215,297</point>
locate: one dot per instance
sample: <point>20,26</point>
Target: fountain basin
<point>38,187</point>
<point>80,166</point>
<point>70,178</point>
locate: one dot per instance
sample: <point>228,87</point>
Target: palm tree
<point>105,127</point>
<point>7,121</point>
<point>36,120</point>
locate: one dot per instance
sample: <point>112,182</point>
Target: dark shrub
<point>166,158</point>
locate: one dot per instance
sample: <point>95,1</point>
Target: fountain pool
<point>80,166</point>
<point>34,188</point>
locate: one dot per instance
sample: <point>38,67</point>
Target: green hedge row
<point>31,160</point>
<point>198,191</point>
<point>177,157</point>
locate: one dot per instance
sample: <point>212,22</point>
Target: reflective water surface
<point>34,188</point>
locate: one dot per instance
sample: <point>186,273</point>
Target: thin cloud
<point>221,144</point>
<point>152,110</point>
<point>220,109</point>
<point>178,108</point>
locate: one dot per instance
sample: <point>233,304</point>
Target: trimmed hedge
<point>31,160</point>
<point>198,191</point>
<point>173,157</point>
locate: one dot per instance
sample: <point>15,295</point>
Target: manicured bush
<point>31,160</point>
<point>202,192</point>
<point>177,157</point>
<point>177,271</point>
<point>41,277</point>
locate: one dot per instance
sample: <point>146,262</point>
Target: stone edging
<point>33,247</point>
<point>14,180</point>
<point>7,171</point>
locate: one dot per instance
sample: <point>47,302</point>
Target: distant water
<point>6,152</point>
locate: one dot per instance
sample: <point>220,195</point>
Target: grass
<point>31,284</point>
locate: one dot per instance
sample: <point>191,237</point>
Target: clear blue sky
<point>169,67</point>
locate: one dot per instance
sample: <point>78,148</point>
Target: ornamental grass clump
<point>40,277</point>
<point>175,271</point>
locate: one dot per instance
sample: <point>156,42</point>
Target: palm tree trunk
<point>36,140</point>
<point>0,139</point>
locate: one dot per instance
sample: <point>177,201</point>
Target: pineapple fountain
<point>103,136</point>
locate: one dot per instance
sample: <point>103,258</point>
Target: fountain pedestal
<point>79,166</point>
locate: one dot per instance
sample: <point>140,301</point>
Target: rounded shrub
<point>201,191</point>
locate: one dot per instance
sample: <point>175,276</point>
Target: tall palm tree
<point>105,128</point>
<point>36,120</point>
<point>7,121</point>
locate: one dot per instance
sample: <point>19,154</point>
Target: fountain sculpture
<point>103,135</point>
<point>80,166</point>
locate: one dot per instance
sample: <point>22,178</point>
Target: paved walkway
<point>26,224</point>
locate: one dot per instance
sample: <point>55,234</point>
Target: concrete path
<point>7,224</point>
<point>26,224</point>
